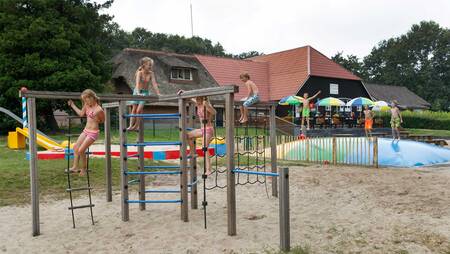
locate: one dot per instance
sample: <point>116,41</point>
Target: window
<point>181,74</point>
<point>334,89</point>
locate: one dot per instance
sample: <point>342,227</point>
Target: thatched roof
<point>405,98</point>
<point>127,62</point>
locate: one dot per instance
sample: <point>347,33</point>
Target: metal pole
<point>231,187</point>
<point>273,149</point>
<point>108,170</point>
<point>285,237</point>
<point>193,162</point>
<point>141,165</point>
<point>34,180</point>
<point>183,160</point>
<point>123,162</point>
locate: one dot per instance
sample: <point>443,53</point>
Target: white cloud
<point>352,26</point>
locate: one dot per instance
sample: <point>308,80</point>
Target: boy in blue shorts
<point>252,96</point>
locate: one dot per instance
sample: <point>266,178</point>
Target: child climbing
<point>252,96</point>
<point>206,113</point>
<point>396,120</point>
<point>144,75</point>
<point>94,115</point>
<point>306,112</point>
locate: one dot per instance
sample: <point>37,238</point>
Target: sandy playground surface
<point>333,210</point>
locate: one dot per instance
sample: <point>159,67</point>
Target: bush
<point>421,119</point>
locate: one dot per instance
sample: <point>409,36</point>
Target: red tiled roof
<point>288,70</point>
<point>226,71</point>
<point>322,66</point>
<point>278,74</point>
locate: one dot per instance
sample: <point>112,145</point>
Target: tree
<point>57,45</point>
<point>248,54</point>
<point>419,60</point>
<point>351,63</point>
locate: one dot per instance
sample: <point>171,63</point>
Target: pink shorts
<point>209,131</point>
<point>91,134</point>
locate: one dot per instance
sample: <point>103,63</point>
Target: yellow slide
<point>41,140</point>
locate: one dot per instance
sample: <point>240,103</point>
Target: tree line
<point>66,45</point>
<point>418,60</point>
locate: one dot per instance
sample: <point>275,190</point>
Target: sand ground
<point>333,210</point>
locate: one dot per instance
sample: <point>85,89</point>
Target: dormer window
<point>181,74</point>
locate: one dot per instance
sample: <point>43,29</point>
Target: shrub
<point>421,119</point>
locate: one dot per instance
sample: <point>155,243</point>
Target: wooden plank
<point>231,187</point>
<point>222,90</point>
<point>108,164</point>
<point>285,237</point>
<point>34,180</point>
<point>125,210</point>
<point>183,160</point>
<point>193,160</point>
<point>77,96</point>
<point>334,149</point>
<point>375,151</point>
<point>141,165</point>
<point>273,149</point>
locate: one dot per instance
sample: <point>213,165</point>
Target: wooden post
<point>125,210</point>
<point>193,161</point>
<point>183,160</point>
<point>285,238</point>
<point>34,179</point>
<point>375,151</point>
<point>231,185</point>
<point>273,149</point>
<point>108,170</point>
<point>141,165</point>
<point>334,149</point>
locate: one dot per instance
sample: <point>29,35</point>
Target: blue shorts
<point>251,100</point>
<point>141,92</point>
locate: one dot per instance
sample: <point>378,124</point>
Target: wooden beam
<point>34,180</point>
<point>193,160</point>
<point>222,90</point>
<point>108,164</point>
<point>273,148</point>
<point>285,237</point>
<point>183,160</point>
<point>231,187</point>
<point>141,165</point>
<point>125,209</point>
<point>77,96</point>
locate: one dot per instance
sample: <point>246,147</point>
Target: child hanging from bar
<point>206,113</point>
<point>252,96</point>
<point>94,115</point>
<point>144,75</point>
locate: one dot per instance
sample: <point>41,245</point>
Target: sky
<point>330,26</point>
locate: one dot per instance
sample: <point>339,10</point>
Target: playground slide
<point>20,120</point>
<point>42,140</point>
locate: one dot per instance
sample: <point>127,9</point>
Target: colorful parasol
<point>290,100</point>
<point>381,106</point>
<point>360,101</point>
<point>331,101</point>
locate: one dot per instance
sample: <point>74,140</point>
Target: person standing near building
<point>306,111</point>
<point>396,120</point>
<point>368,121</point>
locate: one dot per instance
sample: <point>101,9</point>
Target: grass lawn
<point>437,133</point>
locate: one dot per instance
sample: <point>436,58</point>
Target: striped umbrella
<point>330,101</point>
<point>381,106</point>
<point>290,100</point>
<point>360,101</point>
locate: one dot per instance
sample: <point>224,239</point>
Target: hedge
<point>421,119</point>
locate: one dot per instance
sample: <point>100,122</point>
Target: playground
<point>333,210</point>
